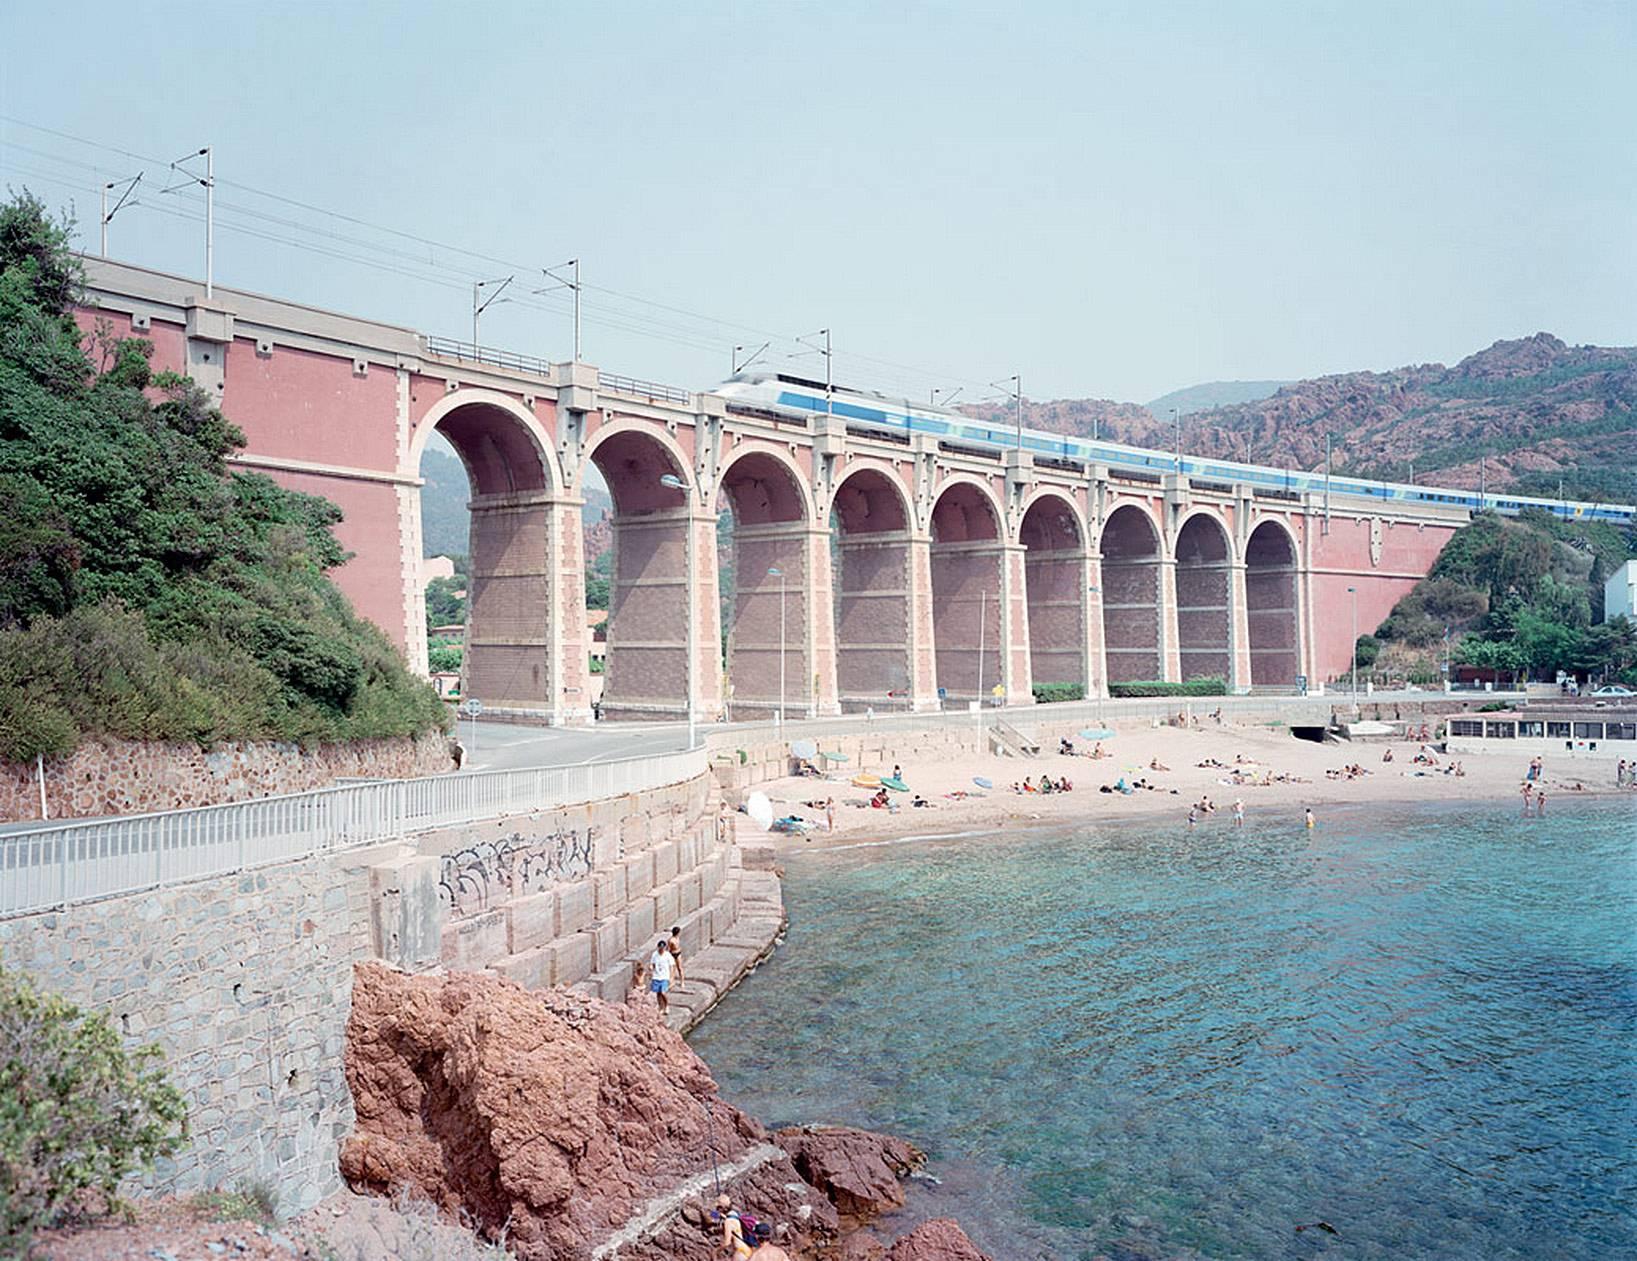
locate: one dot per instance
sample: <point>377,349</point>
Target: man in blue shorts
<point>660,966</point>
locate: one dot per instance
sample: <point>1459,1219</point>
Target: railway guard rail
<point>61,864</point>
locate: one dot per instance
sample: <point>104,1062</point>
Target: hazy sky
<point>1112,199</point>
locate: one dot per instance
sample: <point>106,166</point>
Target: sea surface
<point>1416,1026</point>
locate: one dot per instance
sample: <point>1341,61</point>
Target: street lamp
<point>775,572</point>
<point>1353,591</point>
<point>672,482</point>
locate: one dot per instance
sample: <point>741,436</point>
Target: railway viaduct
<point>872,570</point>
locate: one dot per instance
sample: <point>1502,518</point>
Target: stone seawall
<point>105,777</point>
<point>245,981</point>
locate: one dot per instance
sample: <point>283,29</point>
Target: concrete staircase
<point>1007,741</point>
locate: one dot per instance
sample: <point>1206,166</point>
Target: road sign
<point>471,708</point>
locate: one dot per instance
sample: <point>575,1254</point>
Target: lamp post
<point>1091,684</point>
<point>672,482</point>
<point>1353,591</point>
<point>775,572</point>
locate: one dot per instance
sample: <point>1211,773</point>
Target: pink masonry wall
<point>1343,559</point>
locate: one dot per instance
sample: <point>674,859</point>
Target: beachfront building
<point>1573,730</point>
<point>1620,592</point>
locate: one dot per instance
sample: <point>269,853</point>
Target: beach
<point>1277,773</point>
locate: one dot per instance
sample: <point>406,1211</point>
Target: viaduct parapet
<point>871,571</point>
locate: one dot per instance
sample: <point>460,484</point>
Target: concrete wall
<point>244,980</point>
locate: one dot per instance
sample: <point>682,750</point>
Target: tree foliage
<point>1525,593</point>
<point>145,590</point>
<point>78,1110</point>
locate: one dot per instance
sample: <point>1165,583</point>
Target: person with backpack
<point>736,1227</point>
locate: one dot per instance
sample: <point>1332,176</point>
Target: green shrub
<point>78,1111</point>
<point>1052,693</point>
<point>1423,677</point>
<point>1155,687</point>
<point>444,658</point>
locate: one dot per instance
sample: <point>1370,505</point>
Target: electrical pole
<point>829,379</point>
<point>1326,529</point>
<point>754,356</point>
<point>209,183</point>
<point>1353,591</point>
<point>480,304</point>
<point>1018,378</point>
<point>107,214</point>
<point>1176,419</point>
<point>551,273</point>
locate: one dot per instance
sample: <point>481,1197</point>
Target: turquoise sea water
<point>1419,1027</point>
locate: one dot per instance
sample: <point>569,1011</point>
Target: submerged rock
<point>941,1239</point>
<point>858,1171</point>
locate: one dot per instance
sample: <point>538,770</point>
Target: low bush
<point>1156,687</point>
<point>78,1110</point>
<point>1053,693</point>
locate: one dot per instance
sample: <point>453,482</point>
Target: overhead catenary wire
<point>460,267</point>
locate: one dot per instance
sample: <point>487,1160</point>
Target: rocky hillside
<point>1534,411</point>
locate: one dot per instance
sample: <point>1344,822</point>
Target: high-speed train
<point>780,395</point>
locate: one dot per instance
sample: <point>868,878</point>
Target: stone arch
<point>1271,605</point>
<point>1204,559</point>
<point>497,409</point>
<point>512,587</point>
<point>871,524</point>
<point>657,634</point>
<point>1053,537</point>
<point>767,612</point>
<point>968,552</point>
<point>1130,547</point>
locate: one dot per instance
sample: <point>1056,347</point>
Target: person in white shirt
<point>661,964</point>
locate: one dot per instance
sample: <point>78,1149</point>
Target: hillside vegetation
<point>1519,595</point>
<point>145,590</point>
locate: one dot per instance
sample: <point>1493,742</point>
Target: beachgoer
<point>830,813</point>
<point>660,966</point>
<point>675,945</point>
<point>1238,813</point>
<point>1540,803</point>
<point>1193,816</point>
<point>1528,795</point>
<point>766,1249</point>
<point>1308,818</point>
<point>734,1243</point>
<point>1387,754</point>
<point>897,772</point>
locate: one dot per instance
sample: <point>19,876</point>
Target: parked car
<point>1614,689</point>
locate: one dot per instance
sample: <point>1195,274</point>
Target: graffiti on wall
<point>483,875</point>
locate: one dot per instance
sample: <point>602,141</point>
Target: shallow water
<point>1419,1027</point>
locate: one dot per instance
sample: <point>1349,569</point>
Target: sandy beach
<point>1277,772</point>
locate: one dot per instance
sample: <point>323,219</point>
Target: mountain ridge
<point>1520,414</point>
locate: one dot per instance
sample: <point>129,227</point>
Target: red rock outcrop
<point>858,1171</point>
<point>569,1122</point>
<point>941,1239</point>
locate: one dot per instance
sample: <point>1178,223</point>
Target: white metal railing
<point>57,865</point>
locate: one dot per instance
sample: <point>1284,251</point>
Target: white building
<point>1620,592</point>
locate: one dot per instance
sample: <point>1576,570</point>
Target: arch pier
<point>1204,599</point>
<point>1057,582</point>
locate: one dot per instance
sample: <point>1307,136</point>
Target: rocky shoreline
<point>582,1130</point>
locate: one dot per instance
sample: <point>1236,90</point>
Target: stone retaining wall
<point>245,981</point>
<point>105,777</point>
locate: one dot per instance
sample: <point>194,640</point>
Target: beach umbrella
<point>1097,733</point>
<point>834,757</point>
<point>806,750</point>
<point>760,809</point>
